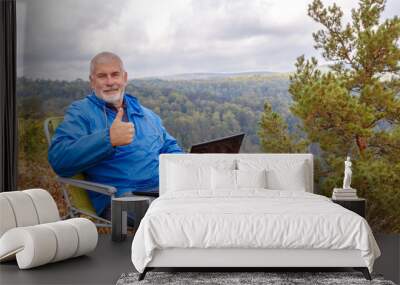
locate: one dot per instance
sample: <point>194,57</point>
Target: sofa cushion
<point>87,235</point>
<point>67,240</point>
<point>32,246</point>
<point>40,244</point>
<point>7,220</point>
<point>22,207</point>
<point>26,208</point>
<point>45,206</point>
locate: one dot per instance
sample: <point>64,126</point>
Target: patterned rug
<point>243,278</point>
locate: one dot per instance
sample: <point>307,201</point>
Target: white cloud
<point>156,37</point>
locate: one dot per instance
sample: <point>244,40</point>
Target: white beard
<point>112,99</point>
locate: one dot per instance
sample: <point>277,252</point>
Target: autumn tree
<point>354,107</point>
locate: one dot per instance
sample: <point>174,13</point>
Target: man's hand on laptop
<point>121,133</point>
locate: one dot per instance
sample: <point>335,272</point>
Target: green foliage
<point>274,134</point>
<point>31,140</point>
<point>330,115</point>
<point>355,107</point>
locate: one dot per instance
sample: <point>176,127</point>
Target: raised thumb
<point>120,114</point>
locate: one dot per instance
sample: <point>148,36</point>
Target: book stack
<point>344,194</point>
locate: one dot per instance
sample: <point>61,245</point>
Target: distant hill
<point>211,76</point>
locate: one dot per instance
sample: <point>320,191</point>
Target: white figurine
<point>347,174</point>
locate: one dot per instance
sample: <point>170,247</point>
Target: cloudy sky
<point>57,38</point>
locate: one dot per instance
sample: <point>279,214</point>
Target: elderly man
<point>110,137</point>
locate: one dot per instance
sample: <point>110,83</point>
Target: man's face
<point>108,80</point>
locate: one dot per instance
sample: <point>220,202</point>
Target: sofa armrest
<point>96,187</point>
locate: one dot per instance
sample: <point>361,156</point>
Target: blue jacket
<point>81,144</point>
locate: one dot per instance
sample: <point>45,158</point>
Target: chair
<point>74,189</point>
<point>31,231</point>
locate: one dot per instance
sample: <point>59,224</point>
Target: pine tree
<point>354,108</point>
<point>274,135</point>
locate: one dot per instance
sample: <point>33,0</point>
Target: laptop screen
<point>229,144</point>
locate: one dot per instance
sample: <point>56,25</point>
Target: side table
<point>357,205</point>
<point>120,207</point>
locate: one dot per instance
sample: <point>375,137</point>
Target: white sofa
<point>31,231</point>
<point>179,229</point>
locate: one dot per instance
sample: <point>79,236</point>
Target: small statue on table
<point>345,193</point>
<point>347,174</point>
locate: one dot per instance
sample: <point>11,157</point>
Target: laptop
<point>230,144</point>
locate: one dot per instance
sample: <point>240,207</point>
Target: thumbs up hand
<point>121,133</point>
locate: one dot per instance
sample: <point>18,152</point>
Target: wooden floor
<point>110,259</point>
